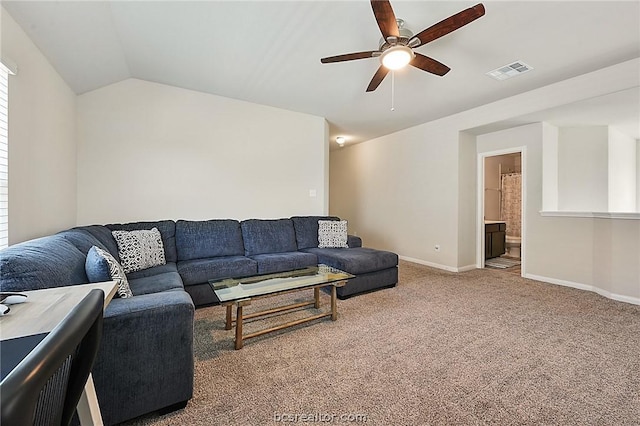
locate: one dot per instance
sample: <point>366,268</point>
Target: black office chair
<point>45,387</point>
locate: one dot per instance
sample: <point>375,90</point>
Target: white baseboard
<point>467,268</point>
<point>438,265</point>
<point>601,292</point>
<point>579,286</point>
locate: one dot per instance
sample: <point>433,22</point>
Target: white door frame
<point>480,204</point>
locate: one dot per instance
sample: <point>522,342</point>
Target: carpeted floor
<point>480,347</point>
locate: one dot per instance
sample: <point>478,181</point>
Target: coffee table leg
<point>334,309</point>
<point>239,319</point>
<point>316,296</point>
<point>229,319</point>
<point>239,327</point>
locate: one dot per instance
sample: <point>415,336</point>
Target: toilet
<point>513,246</point>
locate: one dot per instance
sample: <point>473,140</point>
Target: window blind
<point>4,158</point>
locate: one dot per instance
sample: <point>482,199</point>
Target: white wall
<point>42,142</point>
<point>550,168</point>
<point>409,190</point>
<point>583,169</point>
<point>150,151</point>
<point>622,172</point>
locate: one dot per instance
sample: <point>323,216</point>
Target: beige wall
<point>42,143</point>
<point>401,191</point>
<point>150,151</point>
<point>467,190</point>
<point>410,190</point>
<point>591,253</point>
<point>622,169</point>
<point>583,169</point>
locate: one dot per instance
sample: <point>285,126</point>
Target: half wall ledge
<point>597,215</point>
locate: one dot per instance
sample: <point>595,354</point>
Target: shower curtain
<point>511,205</point>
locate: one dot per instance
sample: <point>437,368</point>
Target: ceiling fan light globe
<point>397,57</point>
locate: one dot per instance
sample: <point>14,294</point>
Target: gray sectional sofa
<point>260,246</point>
<point>145,361</point>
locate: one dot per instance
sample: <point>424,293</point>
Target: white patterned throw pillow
<point>117,273</point>
<point>139,249</point>
<point>332,234</point>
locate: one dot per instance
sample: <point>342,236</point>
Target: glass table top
<point>232,289</point>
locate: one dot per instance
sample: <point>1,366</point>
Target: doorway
<point>501,201</point>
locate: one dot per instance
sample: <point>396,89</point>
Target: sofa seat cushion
<point>306,228</point>
<point>356,261</point>
<point>268,236</point>
<point>155,270</point>
<point>208,238</point>
<point>279,262</point>
<point>155,283</point>
<point>199,271</point>
<point>45,262</point>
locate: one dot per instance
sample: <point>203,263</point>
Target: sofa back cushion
<point>103,235</point>
<point>46,262</point>
<point>208,238</point>
<point>306,228</point>
<point>82,239</point>
<point>268,236</point>
<point>167,230</point>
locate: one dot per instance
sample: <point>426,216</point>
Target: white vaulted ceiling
<point>269,52</point>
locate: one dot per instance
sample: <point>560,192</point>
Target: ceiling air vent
<point>510,70</point>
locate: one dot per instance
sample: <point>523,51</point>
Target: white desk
<point>42,311</point>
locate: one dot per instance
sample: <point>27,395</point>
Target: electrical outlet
<point>437,247</point>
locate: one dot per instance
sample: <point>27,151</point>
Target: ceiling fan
<point>398,43</point>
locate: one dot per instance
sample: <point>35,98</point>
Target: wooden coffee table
<point>241,291</point>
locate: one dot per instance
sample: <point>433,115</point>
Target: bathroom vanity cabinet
<point>494,239</point>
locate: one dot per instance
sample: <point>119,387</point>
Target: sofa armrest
<point>353,241</point>
<point>145,303</point>
<point>145,360</point>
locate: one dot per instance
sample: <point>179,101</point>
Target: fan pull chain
<point>393,86</point>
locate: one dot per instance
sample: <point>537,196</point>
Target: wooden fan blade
<point>428,64</point>
<point>348,57</point>
<point>448,25</point>
<point>385,17</point>
<point>377,78</point>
